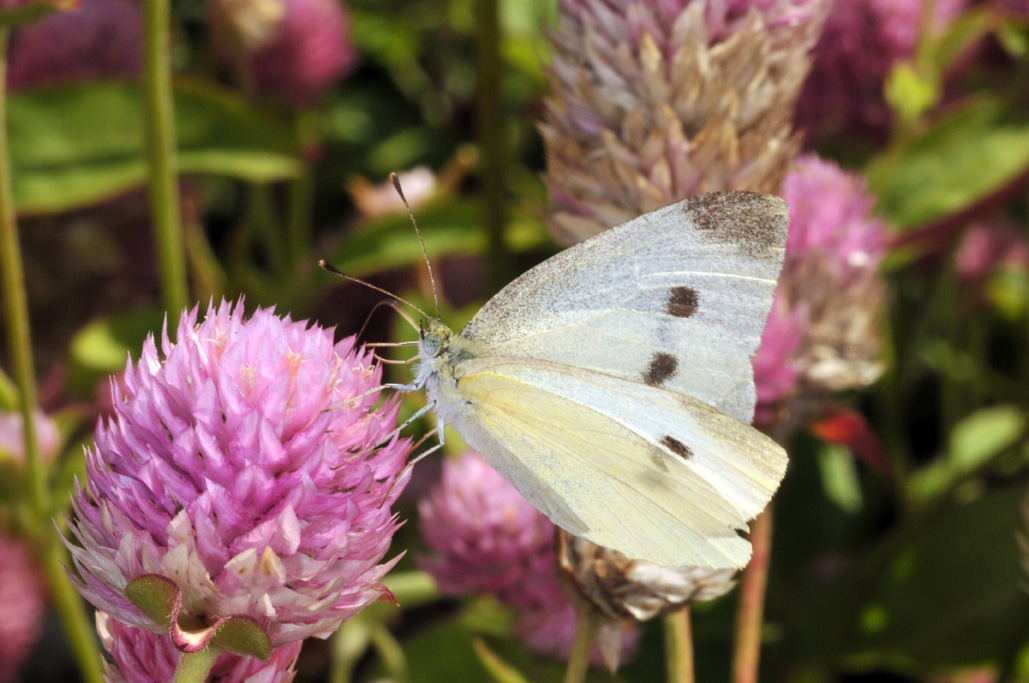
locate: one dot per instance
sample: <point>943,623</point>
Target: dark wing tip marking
<point>662,366</point>
<point>682,301</point>
<point>749,220</point>
<point>677,447</point>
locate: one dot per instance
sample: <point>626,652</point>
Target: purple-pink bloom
<point>861,42</point>
<point>22,603</point>
<point>291,50</point>
<point>244,466</point>
<point>97,39</point>
<point>485,538</point>
<point>820,334</point>
<point>139,656</point>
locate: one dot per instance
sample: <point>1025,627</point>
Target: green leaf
<point>973,442</point>
<point>77,144</point>
<point>952,595</point>
<point>501,671</point>
<point>103,346</point>
<point>910,92</point>
<point>964,157</point>
<point>29,12</point>
<point>448,229</point>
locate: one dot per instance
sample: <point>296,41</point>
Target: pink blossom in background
<point>98,39</point>
<point>830,212</point>
<point>485,538</point>
<point>860,44</point>
<point>820,332</point>
<point>239,465</point>
<point>140,656</point>
<point>22,605</point>
<point>290,50</point>
<point>986,248</point>
<point>774,373</point>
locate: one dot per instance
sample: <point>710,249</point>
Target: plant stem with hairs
<point>747,650</point>
<point>679,646</point>
<point>45,541</point>
<point>161,155</point>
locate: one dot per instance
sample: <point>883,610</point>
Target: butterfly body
<point>611,383</point>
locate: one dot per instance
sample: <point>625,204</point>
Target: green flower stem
<point>587,625</point>
<point>679,646</point>
<point>194,667</point>
<point>45,542</point>
<point>301,190</point>
<point>750,614</point>
<point>16,305</point>
<point>161,158</point>
<point>491,131</point>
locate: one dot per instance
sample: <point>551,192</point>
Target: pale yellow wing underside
<point>649,472</point>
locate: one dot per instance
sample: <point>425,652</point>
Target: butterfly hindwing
<point>649,472</point>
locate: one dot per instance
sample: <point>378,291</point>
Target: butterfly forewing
<point>676,298</point>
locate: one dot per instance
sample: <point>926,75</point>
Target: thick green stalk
<point>679,646</point>
<point>45,540</point>
<point>491,131</point>
<point>161,158</point>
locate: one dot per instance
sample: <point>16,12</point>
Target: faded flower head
<point>138,656</point>
<point>290,50</point>
<point>22,604</point>
<point>485,538</point>
<point>655,101</point>
<point>620,587</point>
<point>243,468</point>
<point>97,39</point>
<point>822,334</point>
<point>862,41</point>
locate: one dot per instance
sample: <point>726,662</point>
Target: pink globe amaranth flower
<point>860,44</point>
<point>138,656</point>
<point>22,603</point>
<point>821,335</point>
<point>97,39</point>
<point>244,468</point>
<point>486,538</point>
<point>291,50</point>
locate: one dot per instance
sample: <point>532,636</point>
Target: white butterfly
<point>611,384</point>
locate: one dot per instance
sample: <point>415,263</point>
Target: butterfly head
<point>434,338</point>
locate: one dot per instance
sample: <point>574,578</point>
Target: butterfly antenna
<point>325,265</point>
<point>393,178</point>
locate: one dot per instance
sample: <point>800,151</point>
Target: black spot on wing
<point>682,301</point>
<point>662,366</point>
<point>677,447</point>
